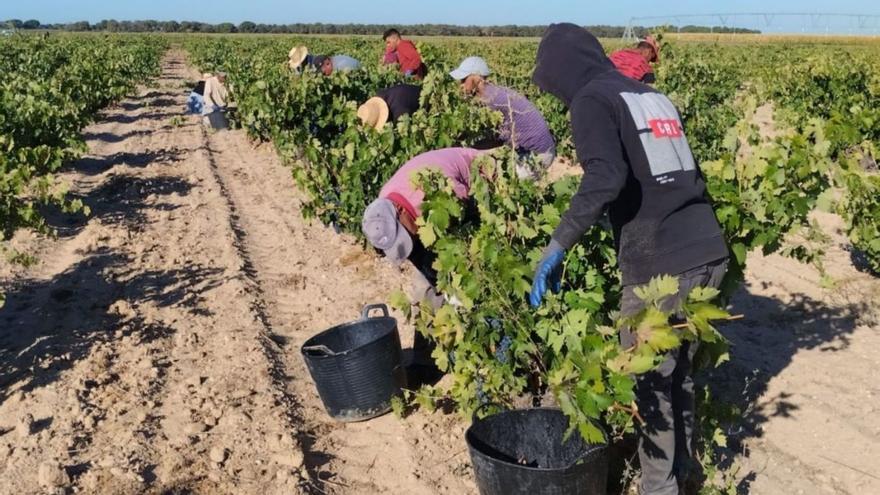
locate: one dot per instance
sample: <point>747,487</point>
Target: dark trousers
<point>424,290</point>
<point>665,396</point>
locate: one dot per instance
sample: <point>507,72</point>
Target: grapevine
<point>50,88</point>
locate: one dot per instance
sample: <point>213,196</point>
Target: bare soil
<point>154,347</point>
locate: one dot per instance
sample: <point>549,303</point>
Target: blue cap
<point>470,65</point>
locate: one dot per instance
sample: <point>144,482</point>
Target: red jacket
<point>408,57</point>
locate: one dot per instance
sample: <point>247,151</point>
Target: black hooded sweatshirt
<point>636,159</point>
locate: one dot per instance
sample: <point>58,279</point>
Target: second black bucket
<point>357,366</point>
<point>522,451</point>
<point>217,120</point>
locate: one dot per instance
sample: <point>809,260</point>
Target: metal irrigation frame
<point>815,20</point>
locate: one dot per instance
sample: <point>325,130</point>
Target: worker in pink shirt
<point>389,224</point>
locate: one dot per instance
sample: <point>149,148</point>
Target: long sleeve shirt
<point>454,163</point>
<point>523,123</point>
<point>215,93</point>
<point>344,63</point>
<point>407,56</point>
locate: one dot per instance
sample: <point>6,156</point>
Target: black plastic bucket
<point>216,120</point>
<point>357,366</point>
<point>522,451</point>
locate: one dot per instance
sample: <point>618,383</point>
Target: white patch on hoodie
<point>661,133</point>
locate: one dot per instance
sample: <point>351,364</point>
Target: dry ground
<point>155,345</point>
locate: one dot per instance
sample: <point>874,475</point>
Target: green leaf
<point>739,250</point>
<point>400,301</point>
<point>662,339</point>
<point>657,289</point>
<point>719,438</point>
<point>427,235</point>
<point>703,294</point>
<point>398,407</point>
<point>640,364</point>
<point>825,201</point>
<point>707,311</point>
<point>590,432</point>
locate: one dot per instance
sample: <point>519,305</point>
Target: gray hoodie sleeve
<point>596,136</point>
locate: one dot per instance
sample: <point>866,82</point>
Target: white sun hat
<point>468,66</point>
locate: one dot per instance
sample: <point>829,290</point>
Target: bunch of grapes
<point>482,398</point>
<point>502,352</point>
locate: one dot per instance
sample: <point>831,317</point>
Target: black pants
<point>665,396</point>
<point>424,290</point>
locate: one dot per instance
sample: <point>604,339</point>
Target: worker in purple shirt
<point>523,127</point>
<point>389,224</point>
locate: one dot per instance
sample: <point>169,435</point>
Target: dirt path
<point>155,346</point>
<point>133,356</point>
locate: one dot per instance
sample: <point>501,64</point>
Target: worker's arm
<point>649,78</point>
<point>389,58</point>
<point>596,135</point>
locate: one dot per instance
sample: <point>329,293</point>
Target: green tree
<point>226,27</point>
<point>169,26</point>
<point>79,26</point>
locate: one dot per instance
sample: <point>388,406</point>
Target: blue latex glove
<point>549,272</point>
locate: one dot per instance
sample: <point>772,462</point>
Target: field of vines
<point>51,87</point>
<point>764,182</point>
<point>819,151</point>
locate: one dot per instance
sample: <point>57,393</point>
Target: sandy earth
<point>155,345</point>
<point>803,366</point>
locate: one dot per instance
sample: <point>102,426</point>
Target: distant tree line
<point>247,27</point>
<point>19,24</point>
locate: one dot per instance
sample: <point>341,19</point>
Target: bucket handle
<point>365,313</point>
<point>320,349</point>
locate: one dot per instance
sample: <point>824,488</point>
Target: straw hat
<point>297,55</point>
<point>374,113</point>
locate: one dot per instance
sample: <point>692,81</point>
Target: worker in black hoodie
<point>638,166</point>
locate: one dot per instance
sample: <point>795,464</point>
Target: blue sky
<point>436,11</point>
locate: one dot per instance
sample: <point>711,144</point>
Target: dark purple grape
<point>502,352</point>
<point>482,398</point>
